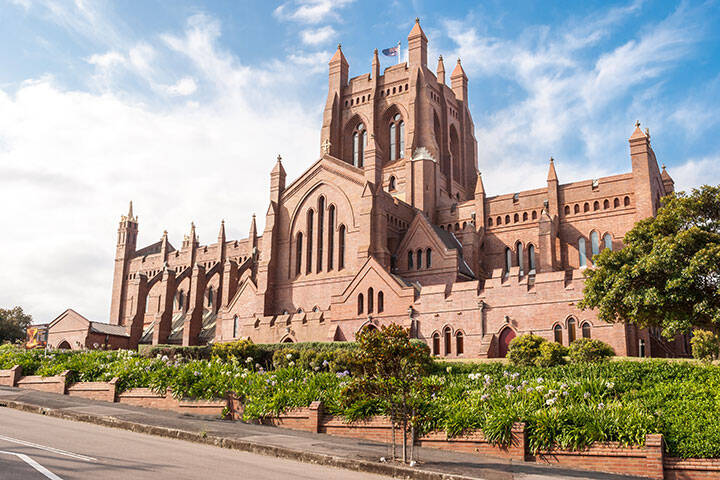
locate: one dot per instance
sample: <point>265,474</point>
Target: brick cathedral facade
<point>392,224</point>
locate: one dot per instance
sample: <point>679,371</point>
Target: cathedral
<point>391,223</point>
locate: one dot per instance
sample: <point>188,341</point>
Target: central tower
<point>405,128</point>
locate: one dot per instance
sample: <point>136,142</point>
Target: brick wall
<point>9,378</point>
<point>145,397</point>
<point>692,468</point>
<point>105,391</point>
<point>54,384</point>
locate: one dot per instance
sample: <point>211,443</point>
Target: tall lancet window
<point>321,232</point>
<point>582,253</point>
<point>341,247</point>
<point>397,138</point>
<point>310,221</point>
<point>331,237</point>
<point>594,244</point>
<point>298,253</point>
<point>359,144</point>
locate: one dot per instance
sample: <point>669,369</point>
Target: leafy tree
<point>389,368</point>
<point>13,324</point>
<point>668,274</point>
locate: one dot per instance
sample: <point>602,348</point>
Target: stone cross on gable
<point>326,146</point>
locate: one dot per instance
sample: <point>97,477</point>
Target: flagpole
<point>399,52</point>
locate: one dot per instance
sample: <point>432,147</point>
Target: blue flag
<point>392,52</point>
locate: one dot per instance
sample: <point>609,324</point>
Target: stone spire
<point>459,82</point>
<point>164,245</point>
<point>253,227</point>
<point>440,70</point>
<point>253,234</point>
<point>221,234</point>
<point>338,57</point>
<point>417,46</point>
<point>131,217</point>
<point>552,174</point>
<point>479,187</point>
<point>375,65</point>
<point>277,180</point>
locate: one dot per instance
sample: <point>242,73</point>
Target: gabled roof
<point>153,249</point>
<point>95,327</point>
<point>444,238</point>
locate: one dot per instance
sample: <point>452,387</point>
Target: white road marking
<point>34,464</point>
<point>49,449</point>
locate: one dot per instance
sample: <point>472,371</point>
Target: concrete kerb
<point>395,471</point>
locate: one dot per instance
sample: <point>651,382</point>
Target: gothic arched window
<point>310,222</point>
<point>381,302</point>
<point>341,247</point>
<point>428,258</point>
<point>419,259</point>
<point>557,334</point>
<point>331,236</point>
<point>361,304</point>
<point>298,253</point>
<point>519,255</point>
<point>582,252</point>
<point>359,143</point>
<point>210,297</point>
<point>235,326</point>
<point>508,260</point>
<point>321,232</point>
<point>571,330</point>
<point>531,258</point>
<point>410,260</point>
<point>594,243</point>
<point>448,337</point>
<point>370,300</point>
<point>586,330</point>
<point>607,239</point>
<point>397,137</point>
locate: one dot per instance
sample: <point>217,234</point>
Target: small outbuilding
<point>72,331</point>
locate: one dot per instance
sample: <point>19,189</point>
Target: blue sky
<point>183,106</point>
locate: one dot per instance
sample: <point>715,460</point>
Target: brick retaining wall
<point>54,384</point>
<point>9,378</point>
<point>145,397</point>
<point>105,391</point>
<point>647,461</point>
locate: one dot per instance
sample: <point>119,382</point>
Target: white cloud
<point>318,35</point>
<point>571,96</point>
<point>696,172</point>
<point>107,60</point>
<point>310,11</point>
<point>184,86</point>
<point>70,160</point>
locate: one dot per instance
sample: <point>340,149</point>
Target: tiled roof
<point>107,329</point>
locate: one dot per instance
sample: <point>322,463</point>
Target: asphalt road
<point>37,447</point>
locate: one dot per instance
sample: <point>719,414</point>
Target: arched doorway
<point>64,345</point>
<point>506,337</point>
<point>287,340</point>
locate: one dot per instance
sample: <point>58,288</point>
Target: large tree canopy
<point>668,274</point>
<point>13,324</point>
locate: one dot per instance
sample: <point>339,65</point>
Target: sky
<point>182,107</point>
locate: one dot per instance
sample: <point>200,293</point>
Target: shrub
<point>590,350</point>
<point>551,354</point>
<point>705,345</point>
<point>197,352</point>
<point>525,349</point>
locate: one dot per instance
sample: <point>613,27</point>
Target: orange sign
<point>34,341</point>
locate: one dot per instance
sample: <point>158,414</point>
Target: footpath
<point>341,452</point>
